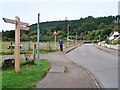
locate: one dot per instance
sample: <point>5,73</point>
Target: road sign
<point>22,24</point>
<point>55,33</point>
<point>24,28</point>
<point>14,22</point>
<point>18,25</point>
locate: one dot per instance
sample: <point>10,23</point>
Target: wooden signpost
<point>18,25</point>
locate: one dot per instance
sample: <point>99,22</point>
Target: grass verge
<point>27,78</point>
<point>42,51</point>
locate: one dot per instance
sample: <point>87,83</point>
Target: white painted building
<point>114,36</point>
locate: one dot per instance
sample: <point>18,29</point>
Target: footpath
<point>65,74</point>
<point>111,51</point>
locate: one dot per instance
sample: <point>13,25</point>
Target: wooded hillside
<point>88,28</point>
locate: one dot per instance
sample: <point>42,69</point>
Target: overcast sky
<point>52,10</point>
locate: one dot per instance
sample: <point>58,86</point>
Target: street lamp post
<point>68,36</point>
<point>76,38</point>
<point>38,37</point>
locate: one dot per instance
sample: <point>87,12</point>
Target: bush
<point>107,41</point>
<point>8,63</point>
<point>95,41</point>
<point>116,42</point>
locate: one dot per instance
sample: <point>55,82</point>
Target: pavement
<point>109,50</point>
<point>101,63</point>
<point>65,74</point>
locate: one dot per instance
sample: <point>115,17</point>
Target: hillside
<point>84,26</point>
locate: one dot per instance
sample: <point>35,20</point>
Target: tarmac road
<point>102,65</point>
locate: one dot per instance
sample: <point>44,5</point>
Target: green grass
<point>27,78</point>
<point>1,62</point>
<point>42,51</point>
<point>6,53</point>
<point>43,46</point>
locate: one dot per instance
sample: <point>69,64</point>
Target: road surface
<point>102,65</point>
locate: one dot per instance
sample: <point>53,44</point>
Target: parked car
<point>13,47</point>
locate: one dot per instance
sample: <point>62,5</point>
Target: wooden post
<point>34,52</point>
<point>17,44</point>
<point>18,25</point>
<point>49,46</point>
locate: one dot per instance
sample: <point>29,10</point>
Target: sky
<point>54,10</point>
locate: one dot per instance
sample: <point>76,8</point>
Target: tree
<point>101,26</point>
<point>97,33</point>
<point>106,31</point>
<point>24,37</point>
<point>10,35</point>
<point>117,28</point>
<point>3,35</point>
<point>91,35</point>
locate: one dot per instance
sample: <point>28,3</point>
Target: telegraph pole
<point>55,33</point>
<point>38,38</point>
<point>76,38</point>
<point>68,35</point>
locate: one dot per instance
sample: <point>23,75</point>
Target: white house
<point>114,36</point>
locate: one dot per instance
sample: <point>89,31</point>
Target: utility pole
<point>76,38</point>
<point>68,35</point>
<point>55,33</point>
<point>38,37</point>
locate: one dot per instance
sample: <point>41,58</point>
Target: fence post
<point>34,52</point>
<point>29,46</point>
<point>49,46</point>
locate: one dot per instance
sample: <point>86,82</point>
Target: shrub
<point>116,42</point>
<point>107,41</point>
<point>8,63</point>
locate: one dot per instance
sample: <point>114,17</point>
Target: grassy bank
<point>44,47</point>
<point>27,78</point>
<point>41,51</point>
